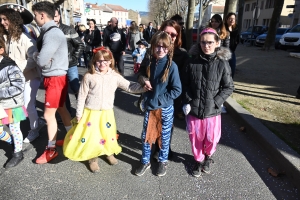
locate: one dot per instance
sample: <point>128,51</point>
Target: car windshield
<point>295,29</point>
<point>280,31</point>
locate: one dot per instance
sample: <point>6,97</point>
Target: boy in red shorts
<point>53,60</point>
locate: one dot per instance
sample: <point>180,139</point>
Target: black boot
<point>16,159</point>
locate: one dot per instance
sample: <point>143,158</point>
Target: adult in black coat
<point>92,38</point>
<point>115,39</point>
<point>149,32</point>
<point>232,28</point>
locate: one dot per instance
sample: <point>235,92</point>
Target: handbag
<point>88,48</point>
<point>141,103</point>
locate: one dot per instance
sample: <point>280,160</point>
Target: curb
<point>280,153</point>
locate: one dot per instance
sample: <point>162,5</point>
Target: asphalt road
<point>239,170</point>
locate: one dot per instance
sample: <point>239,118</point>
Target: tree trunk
<point>240,15</point>
<point>278,4</point>
<point>177,7</point>
<point>189,25</point>
<point>230,6</point>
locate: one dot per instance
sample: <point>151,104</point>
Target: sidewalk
<point>257,69</point>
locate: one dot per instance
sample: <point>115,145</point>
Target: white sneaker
<point>32,135</point>
<point>223,109</point>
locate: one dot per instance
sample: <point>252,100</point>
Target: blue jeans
<point>167,117</point>
<point>232,64</point>
<point>73,78</point>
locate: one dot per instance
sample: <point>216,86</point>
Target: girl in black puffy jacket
<point>207,83</point>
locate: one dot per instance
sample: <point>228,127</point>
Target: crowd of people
<point>190,84</point>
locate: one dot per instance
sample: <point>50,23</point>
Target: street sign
<point>87,10</point>
<point>258,13</point>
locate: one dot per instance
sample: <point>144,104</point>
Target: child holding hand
<point>96,131</point>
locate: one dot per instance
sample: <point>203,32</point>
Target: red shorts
<point>56,88</point>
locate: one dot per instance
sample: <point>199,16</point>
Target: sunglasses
<point>172,35</point>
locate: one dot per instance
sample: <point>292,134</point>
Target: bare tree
<point>189,25</point>
<point>159,10</point>
<point>278,4</point>
<point>230,6</point>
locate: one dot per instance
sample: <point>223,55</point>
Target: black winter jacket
<point>234,38</point>
<point>75,45</point>
<point>115,39</point>
<point>93,39</point>
<point>207,82</point>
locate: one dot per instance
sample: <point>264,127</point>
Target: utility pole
<point>199,21</point>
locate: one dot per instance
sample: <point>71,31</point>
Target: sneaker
<point>223,109</point>
<point>205,166</point>
<point>162,169</point>
<point>48,155</point>
<point>32,135</point>
<point>196,172</point>
<point>142,169</point>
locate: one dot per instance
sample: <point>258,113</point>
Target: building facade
<point>119,12</point>
<point>266,8</point>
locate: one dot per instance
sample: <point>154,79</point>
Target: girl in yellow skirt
<point>12,83</point>
<point>95,132</point>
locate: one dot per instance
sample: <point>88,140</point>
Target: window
<point>262,5</point>
<point>247,23</point>
<point>269,4</point>
<point>247,7</point>
<point>253,6</point>
<point>266,22</point>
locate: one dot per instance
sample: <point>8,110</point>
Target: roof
<point>105,9</point>
<point>115,7</point>
<point>218,9</point>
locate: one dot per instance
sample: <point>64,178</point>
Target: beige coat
<point>22,53</point>
<point>97,91</point>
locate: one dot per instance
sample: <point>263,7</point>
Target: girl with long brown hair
<point>95,133</point>
<point>216,23</point>
<point>164,86</point>
<point>20,47</point>
<point>232,28</point>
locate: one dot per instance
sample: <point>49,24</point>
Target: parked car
<point>258,30</point>
<point>260,40</point>
<point>291,40</point>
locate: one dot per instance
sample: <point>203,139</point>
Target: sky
<point>139,5</point>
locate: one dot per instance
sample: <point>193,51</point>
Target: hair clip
<point>102,49</point>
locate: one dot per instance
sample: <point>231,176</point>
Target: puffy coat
<point>12,83</point>
<point>207,81</point>
<point>75,45</point>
